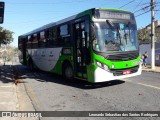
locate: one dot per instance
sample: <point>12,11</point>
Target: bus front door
<point>80,49</point>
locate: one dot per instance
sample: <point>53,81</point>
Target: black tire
<point>68,71</point>
<point>31,66</point>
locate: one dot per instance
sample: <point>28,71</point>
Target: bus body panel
<point>45,59</point>
<point>49,59</point>
<point>100,75</point>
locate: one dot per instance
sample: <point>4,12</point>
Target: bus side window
<point>35,37</point>
<point>38,37</point>
<point>29,40</point>
<point>64,35</point>
<point>35,41</point>
<point>42,39</point>
<point>54,36</point>
<point>51,41</point>
<point>87,29</point>
<point>58,37</point>
<point>86,41</point>
<point>46,37</point>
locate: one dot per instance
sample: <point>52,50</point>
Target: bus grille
<point>123,57</point>
<point>118,72</point>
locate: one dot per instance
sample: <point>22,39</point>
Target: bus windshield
<point>115,37</point>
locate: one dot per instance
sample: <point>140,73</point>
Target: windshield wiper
<point>125,35</point>
<point>110,24</point>
<point>118,34</point>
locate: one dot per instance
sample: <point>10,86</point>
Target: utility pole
<point>152,36</point>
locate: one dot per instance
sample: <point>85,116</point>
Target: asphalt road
<point>50,92</point>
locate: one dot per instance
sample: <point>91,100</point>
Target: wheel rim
<point>68,72</point>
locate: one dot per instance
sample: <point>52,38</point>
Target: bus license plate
<point>125,72</point>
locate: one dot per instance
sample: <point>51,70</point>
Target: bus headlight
<point>101,65</point>
<point>106,68</point>
<point>136,63</point>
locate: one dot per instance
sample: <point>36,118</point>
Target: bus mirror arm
<point>93,31</point>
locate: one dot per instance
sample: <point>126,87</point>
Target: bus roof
<point>69,18</point>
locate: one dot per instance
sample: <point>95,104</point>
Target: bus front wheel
<point>68,71</point>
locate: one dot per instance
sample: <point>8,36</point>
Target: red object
<point>125,72</point>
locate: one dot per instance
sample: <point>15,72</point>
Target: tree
<point>141,33</point>
<point>157,34</point>
<point>6,36</point>
<point>144,34</point>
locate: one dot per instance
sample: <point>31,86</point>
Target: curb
<point>151,71</point>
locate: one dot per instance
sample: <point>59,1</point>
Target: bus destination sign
<point>114,15</point>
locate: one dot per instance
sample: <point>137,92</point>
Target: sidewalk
<point>8,92</point>
<point>148,69</point>
<point>12,97</point>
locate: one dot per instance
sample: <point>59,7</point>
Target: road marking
<point>6,86</point>
<point>126,80</point>
<point>6,103</point>
<point>147,85</point>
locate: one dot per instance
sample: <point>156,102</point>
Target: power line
<point>148,6</point>
<point>155,4</point>
<point>138,4</point>
<point>142,8</point>
<point>142,13</point>
<point>127,3</point>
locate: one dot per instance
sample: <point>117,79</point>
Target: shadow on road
<point>6,74</point>
<point>42,76</point>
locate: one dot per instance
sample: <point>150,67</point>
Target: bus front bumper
<point>101,75</point>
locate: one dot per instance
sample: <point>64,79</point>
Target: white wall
<point>146,47</point>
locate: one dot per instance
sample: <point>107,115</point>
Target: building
<point>156,24</point>
<point>147,47</point>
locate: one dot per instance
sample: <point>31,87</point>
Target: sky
<point>22,16</point>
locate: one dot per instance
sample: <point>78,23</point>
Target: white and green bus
<point>96,45</point>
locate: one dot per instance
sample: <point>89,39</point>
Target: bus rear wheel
<point>31,65</point>
<point>68,71</point>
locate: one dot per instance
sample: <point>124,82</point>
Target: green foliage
<point>7,53</point>
<point>144,35</point>
<point>15,49</point>
<point>157,33</point>
<point>6,36</point>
